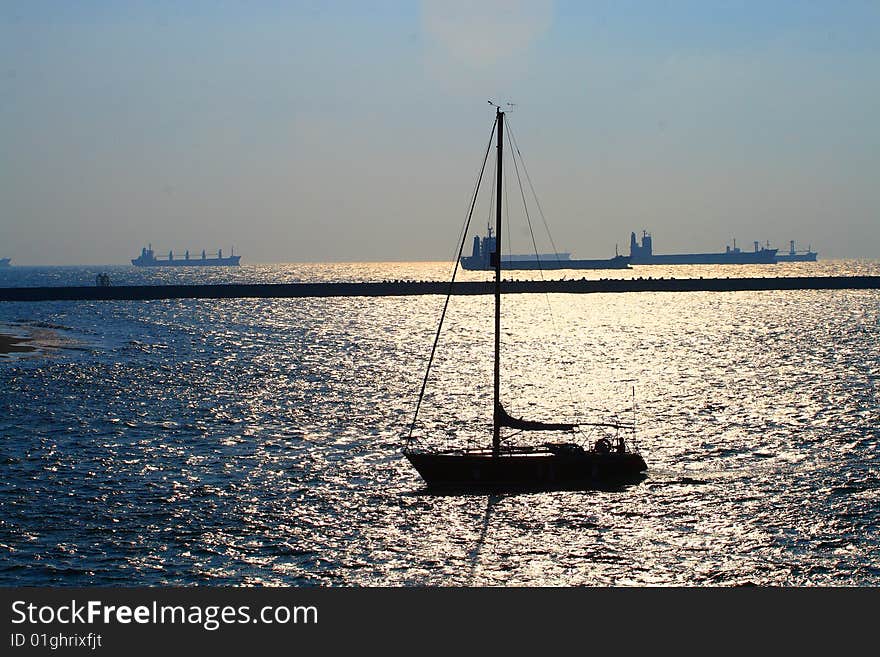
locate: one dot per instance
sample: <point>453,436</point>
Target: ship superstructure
<point>794,255</point>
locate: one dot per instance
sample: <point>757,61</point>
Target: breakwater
<point>410,288</point>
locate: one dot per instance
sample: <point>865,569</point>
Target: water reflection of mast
<point>491,501</point>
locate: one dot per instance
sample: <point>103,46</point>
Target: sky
<point>354,131</point>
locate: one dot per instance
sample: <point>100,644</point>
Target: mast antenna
<point>511,106</point>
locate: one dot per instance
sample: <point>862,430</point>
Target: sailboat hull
<point>531,470</point>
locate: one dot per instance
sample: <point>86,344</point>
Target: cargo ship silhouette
<point>148,259</point>
<point>484,250</point>
<point>643,254</point>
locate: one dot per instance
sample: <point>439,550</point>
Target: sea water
<point>248,441</point>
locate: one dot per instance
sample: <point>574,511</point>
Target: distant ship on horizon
<point>797,256</point>
<point>148,259</point>
<point>484,248</point>
<point>643,254</point>
<point>4,262</point>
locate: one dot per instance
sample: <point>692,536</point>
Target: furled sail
<point>506,420</point>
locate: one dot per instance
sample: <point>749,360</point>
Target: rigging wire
<point>515,150</point>
<point>634,433</point>
<point>467,221</point>
<point>507,217</point>
<point>501,255</point>
<point>451,283</point>
<point>515,147</point>
<point>532,187</point>
<point>492,195</point>
<point>528,218</point>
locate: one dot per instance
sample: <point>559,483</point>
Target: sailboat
<point>502,464</point>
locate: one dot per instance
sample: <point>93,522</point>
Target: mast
<point>496,415</point>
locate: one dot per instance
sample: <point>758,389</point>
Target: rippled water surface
<point>258,441</point>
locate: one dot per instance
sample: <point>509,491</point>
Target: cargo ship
<point>643,254</point>
<point>481,259</point>
<point>149,259</point>
<point>797,256</point>
<point>4,262</point>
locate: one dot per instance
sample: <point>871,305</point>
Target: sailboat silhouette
<point>609,461</point>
